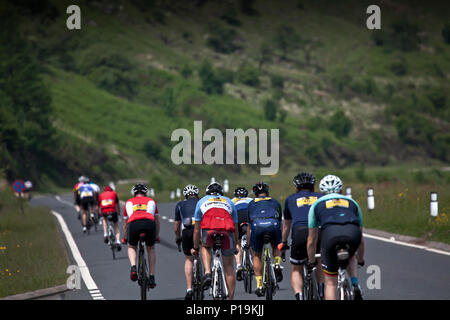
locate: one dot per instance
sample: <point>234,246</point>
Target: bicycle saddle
<point>267,238</point>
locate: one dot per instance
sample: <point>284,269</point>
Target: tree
<point>286,40</point>
<point>340,124</point>
<point>212,83</point>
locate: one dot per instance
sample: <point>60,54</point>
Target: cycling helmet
<point>83,179</point>
<point>260,187</point>
<point>214,189</point>
<point>304,180</point>
<point>139,188</point>
<point>330,184</point>
<point>240,192</point>
<point>190,190</point>
<point>107,188</point>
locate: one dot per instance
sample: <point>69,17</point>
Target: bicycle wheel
<point>248,278</point>
<point>112,242</point>
<point>142,273</point>
<point>269,283</point>
<point>306,284</point>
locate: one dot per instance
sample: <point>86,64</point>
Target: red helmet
<point>108,188</point>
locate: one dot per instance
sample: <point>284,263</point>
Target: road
<point>405,272</point>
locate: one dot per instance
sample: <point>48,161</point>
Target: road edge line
<point>84,270</point>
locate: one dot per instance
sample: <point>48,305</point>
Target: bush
<point>270,109</point>
<point>401,35</point>
<point>277,81</point>
<point>340,124</point>
<point>437,98</point>
<point>186,71</point>
<point>156,182</point>
<point>212,83</point>
<point>230,16</point>
<point>221,39</point>
<point>398,67</point>
<point>248,75</point>
<point>152,149</point>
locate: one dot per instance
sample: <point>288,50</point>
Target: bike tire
<point>249,274</point>
<point>270,282</point>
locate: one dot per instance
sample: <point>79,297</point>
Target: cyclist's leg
<point>149,227</point>
<point>228,246</point>
<point>206,252</point>
<point>187,241</point>
<point>330,237</point>
<point>330,286</point>
<point>298,257</point>
<point>256,245</point>
<point>105,224</point>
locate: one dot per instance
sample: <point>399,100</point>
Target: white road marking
<point>85,274</point>
<point>392,240</point>
<point>171,220</point>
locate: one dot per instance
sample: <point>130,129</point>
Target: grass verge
<point>32,254</point>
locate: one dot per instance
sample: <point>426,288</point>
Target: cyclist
<point>216,213</point>
<point>96,194</point>
<point>341,223</point>
<point>109,205</point>
<point>241,201</point>
<point>296,208</point>
<point>141,215</point>
<point>184,231</point>
<point>76,195</point>
<point>264,217</point>
<point>87,200</point>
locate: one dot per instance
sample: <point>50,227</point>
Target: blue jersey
<point>334,209</point>
<point>86,190</point>
<point>264,208</point>
<point>184,212</point>
<point>241,204</point>
<point>297,205</point>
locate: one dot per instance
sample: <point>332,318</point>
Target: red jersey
<point>108,201</point>
<point>140,208</point>
<point>77,186</point>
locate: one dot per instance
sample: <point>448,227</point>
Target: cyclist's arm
<point>360,252</point>
<point>312,244</point>
<point>125,222</point>
<point>196,235</point>
<point>177,224</point>
<point>287,222</point>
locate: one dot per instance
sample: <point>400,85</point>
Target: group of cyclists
<point>317,222</point>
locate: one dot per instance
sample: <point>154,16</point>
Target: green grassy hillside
<point>341,95</point>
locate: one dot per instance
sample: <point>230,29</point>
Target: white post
<point>172,195</point>
<point>370,199</point>
<point>152,192</point>
<point>112,185</point>
<point>434,204</point>
<point>225,186</point>
<point>348,192</point>
<point>178,193</point>
<point>213,179</point>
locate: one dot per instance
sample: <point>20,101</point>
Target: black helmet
<point>260,187</point>
<point>240,192</point>
<point>214,189</point>
<point>139,188</point>
<point>304,180</point>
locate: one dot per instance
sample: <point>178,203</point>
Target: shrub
<point>152,149</point>
<point>398,67</point>
<point>221,39</point>
<point>248,75</point>
<point>340,124</point>
<point>212,83</point>
<point>437,98</point>
<point>277,81</point>
<point>270,109</point>
<point>230,16</point>
<point>186,71</point>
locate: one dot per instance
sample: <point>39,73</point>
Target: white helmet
<point>190,189</point>
<point>330,184</point>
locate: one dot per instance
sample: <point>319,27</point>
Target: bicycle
<point>269,279</point>
<point>143,277</point>
<point>343,287</point>
<point>310,283</point>
<point>219,290</point>
<point>111,236</point>
<point>197,277</point>
<point>246,261</point>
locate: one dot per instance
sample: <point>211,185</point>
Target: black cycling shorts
<point>113,216</point>
<point>299,250</point>
<point>334,235</point>
<point>242,217</point>
<point>136,227</point>
<point>187,240</point>
<point>86,202</point>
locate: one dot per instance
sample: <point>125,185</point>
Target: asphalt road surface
<point>405,272</point>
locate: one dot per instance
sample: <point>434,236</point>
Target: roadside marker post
<point>370,199</point>
<point>172,195</point>
<point>434,204</point>
<point>178,193</point>
<point>226,187</point>
<point>348,192</point>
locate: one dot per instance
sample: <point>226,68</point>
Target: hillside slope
<point>339,93</point>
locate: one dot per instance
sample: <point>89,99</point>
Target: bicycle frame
<point>142,269</point>
<point>247,265</point>
<point>269,279</point>
<point>111,236</point>
<point>219,288</point>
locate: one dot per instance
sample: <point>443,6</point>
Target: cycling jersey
<point>138,208</point>
<point>241,204</point>
<point>77,186</point>
<point>184,212</point>
<point>334,209</point>
<point>108,201</point>
<point>264,208</point>
<point>216,213</point>
<point>95,187</point>
<point>297,205</point>
<point>85,191</point>
<point>264,217</point>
